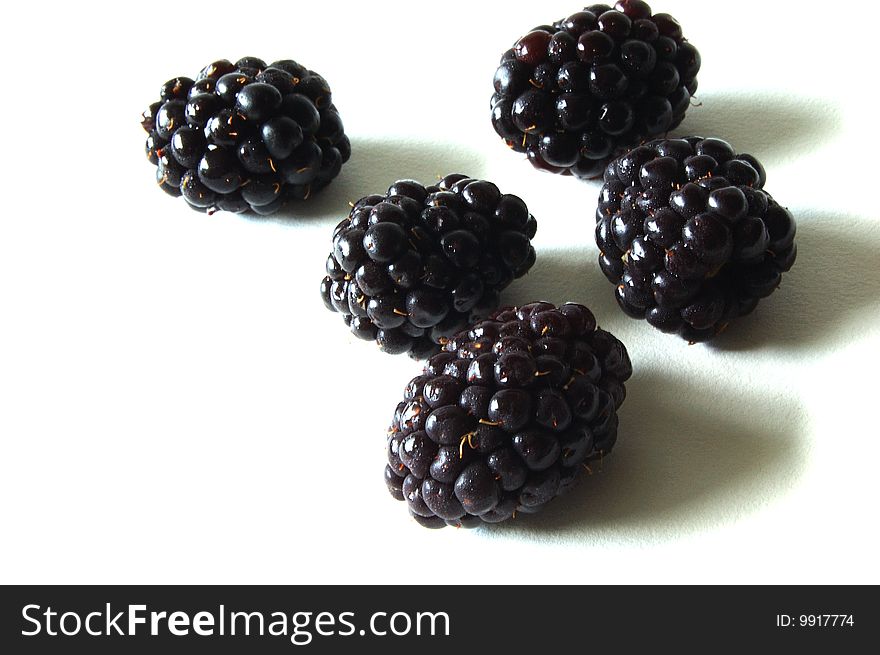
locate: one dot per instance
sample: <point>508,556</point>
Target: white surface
<point>176,405</point>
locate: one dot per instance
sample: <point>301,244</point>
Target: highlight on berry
<point>417,264</point>
<point>689,237</point>
<point>507,416</point>
<point>576,93</point>
<point>248,136</point>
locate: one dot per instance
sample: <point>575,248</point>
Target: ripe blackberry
<point>245,136</point>
<point>419,263</point>
<point>507,416</point>
<point>574,94</point>
<point>689,236</point>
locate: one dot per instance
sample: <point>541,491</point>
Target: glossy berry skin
<point>688,235</point>
<point>417,264</point>
<point>507,416</point>
<point>247,136</point>
<point>574,94</point>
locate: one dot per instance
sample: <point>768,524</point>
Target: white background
<point>176,405</point>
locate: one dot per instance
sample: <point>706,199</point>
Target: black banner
<point>419,619</point>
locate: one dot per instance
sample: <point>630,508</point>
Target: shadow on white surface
<point>828,298</point>
<point>747,121</point>
<point>831,294</point>
<point>570,275</point>
<point>374,165</point>
<point>688,458</point>
<point>690,454</point>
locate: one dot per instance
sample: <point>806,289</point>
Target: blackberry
<point>574,94</point>
<point>245,136</point>
<point>689,236</point>
<point>419,263</point>
<point>507,416</point>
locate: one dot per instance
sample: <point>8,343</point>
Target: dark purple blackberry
<point>419,263</point>
<point>689,236</point>
<point>507,416</point>
<point>574,94</point>
<point>245,136</point>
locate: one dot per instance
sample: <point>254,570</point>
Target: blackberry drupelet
<point>245,136</point>
<point>689,236</point>
<point>507,416</point>
<point>575,94</point>
<point>419,263</point>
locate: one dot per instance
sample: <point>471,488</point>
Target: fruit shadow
<point>569,275</point>
<point>767,125</point>
<point>688,458</point>
<point>830,295</point>
<point>374,165</point>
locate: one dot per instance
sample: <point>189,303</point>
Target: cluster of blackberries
<point>507,416</point>
<point>688,235</point>
<point>509,409</point>
<point>420,263</point>
<point>245,136</point>
<point>572,94</point>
